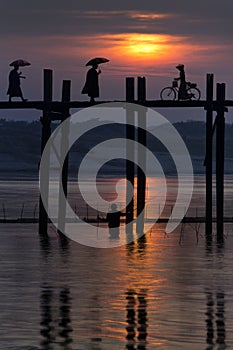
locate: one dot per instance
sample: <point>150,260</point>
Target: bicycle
<point>171,93</point>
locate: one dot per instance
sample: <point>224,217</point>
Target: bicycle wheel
<point>194,93</point>
<point>168,94</point>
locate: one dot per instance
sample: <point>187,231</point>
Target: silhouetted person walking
<point>14,89</point>
<point>182,94</point>
<point>91,87</point>
<point>113,219</point>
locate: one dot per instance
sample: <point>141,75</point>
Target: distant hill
<point>20,147</point>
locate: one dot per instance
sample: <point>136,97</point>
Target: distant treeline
<point>20,142</point>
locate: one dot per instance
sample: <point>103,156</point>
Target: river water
<point>163,291</point>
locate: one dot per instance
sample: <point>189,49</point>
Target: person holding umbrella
<point>91,87</point>
<point>14,89</point>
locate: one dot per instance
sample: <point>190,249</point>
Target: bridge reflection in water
<point>136,318</point>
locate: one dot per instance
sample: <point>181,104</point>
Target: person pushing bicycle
<point>182,94</point>
<point>185,91</point>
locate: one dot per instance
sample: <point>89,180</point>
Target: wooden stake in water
<point>220,140</point>
<point>209,154</point>
<point>142,139</point>
<point>66,90</point>
<point>130,136</point>
<point>46,133</point>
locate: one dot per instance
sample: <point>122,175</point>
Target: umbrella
<point>97,60</point>
<point>20,63</point>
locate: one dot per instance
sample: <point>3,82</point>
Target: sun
<point>143,48</point>
<point>144,44</point>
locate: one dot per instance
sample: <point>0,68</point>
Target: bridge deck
<point>58,105</point>
<point>186,219</point>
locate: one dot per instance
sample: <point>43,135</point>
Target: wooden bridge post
<point>209,155</point>
<point>141,89</point>
<point>130,153</point>
<point>66,89</point>
<point>46,133</point>
<point>141,176</point>
<point>220,139</point>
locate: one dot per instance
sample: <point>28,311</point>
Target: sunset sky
<point>139,37</point>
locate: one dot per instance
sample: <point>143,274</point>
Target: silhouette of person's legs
<point>22,98</point>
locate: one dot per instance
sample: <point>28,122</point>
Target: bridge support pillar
<point>46,133</point>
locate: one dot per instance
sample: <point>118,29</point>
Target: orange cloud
<point>149,16</point>
<point>135,48</point>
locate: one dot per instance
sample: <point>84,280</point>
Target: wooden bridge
<point>58,106</point>
<point>186,219</point>
<point>60,110</point>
